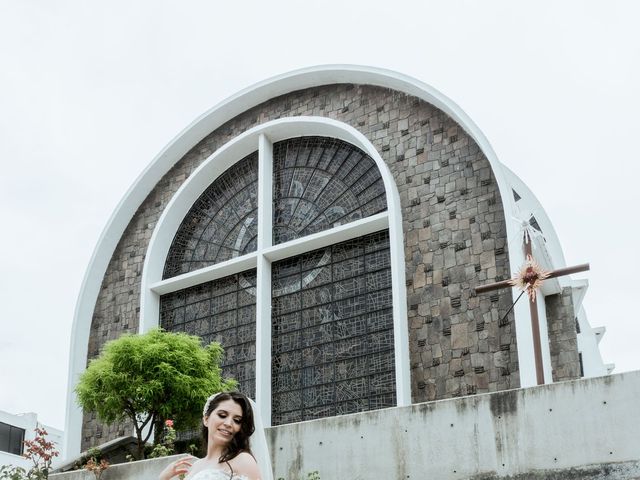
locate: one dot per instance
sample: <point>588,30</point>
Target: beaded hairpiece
<point>208,402</point>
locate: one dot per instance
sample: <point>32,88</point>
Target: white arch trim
<point>533,205</point>
<point>153,285</point>
<point>189,137</point>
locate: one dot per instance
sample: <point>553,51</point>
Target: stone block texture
<point>563,336</point>
<point>454,234</point>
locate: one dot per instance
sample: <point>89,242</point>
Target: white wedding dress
<point>215,474</point>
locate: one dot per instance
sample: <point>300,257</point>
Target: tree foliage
<point>152,377</point>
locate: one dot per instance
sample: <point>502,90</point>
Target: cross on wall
<point>529,280</point>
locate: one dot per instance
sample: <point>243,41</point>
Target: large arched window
<point>286,259</point>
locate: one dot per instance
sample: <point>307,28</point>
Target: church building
<point>328,227</point>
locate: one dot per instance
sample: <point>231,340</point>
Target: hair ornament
<point>208,403</point>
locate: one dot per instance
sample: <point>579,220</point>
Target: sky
<point>91,91</point>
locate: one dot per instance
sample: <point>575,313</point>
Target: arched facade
<point>446,197</point>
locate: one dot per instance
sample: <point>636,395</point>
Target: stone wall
<point>563,337</point>
<point>455,239</point>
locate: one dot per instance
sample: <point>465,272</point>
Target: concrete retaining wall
<point>583,429</point>
<point>580,429</point>
<point>143,470</point>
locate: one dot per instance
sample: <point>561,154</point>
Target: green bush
<point>150,378</point>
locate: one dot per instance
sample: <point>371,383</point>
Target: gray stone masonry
<point>563,338</point>
<point>454,231</point>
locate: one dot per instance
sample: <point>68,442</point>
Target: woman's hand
<point>179,467</point>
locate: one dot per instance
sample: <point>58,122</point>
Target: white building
<point>15,430</point>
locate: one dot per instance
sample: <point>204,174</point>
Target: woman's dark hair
<point>240,441</point>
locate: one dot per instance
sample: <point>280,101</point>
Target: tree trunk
<point>158,430</point>
<point>140,445</point>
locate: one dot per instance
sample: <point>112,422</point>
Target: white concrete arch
<point>274,131</point>
<point>190,136</point>
<point>530,204</point>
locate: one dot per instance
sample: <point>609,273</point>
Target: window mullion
<point>263,280</point>
<point>325,238</point>
<point>204,275</point>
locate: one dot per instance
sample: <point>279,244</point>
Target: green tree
<point>150,378</point>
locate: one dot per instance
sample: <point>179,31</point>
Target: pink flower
<point>168,423</point>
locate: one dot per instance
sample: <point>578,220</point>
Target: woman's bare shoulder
<point>245,464</point>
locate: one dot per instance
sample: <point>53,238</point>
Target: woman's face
<point>224,421</point>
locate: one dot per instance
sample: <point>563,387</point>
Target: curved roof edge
<point>196,131</point>
<point>535,208</point>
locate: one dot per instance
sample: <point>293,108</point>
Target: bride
<point>228,424</point>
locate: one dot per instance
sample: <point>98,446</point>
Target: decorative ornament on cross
<point>529,279</point>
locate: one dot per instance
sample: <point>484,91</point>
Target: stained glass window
<point>221,224</point>
<point>332,331</point>
<point>320,183</point>
<point>224,311</point>
<point>332,338</point>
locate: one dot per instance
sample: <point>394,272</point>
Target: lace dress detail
<point>215,474</point>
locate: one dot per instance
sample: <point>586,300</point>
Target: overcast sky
<point>90,92</point>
